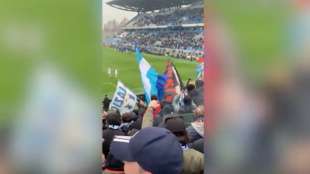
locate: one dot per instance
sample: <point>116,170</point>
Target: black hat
<point>156,150</point>
<point>175,124</point>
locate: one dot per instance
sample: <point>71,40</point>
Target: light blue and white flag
<point>149,76</point>
<point>124,100</point>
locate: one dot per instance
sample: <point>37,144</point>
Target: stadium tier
<point>144,6</point>
<point>175,16</point>
<point>173,28</point>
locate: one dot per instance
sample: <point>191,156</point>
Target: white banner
<point>123,100</point>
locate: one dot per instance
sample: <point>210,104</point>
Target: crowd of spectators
<point>163,137</point>
<point>176,42</point>
<point>162,33</point>
<point>182,38</point>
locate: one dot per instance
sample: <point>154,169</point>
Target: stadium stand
<point>173,28</point>
<point>175,16</point>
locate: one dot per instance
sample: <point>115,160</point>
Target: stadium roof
<point>148,5</point>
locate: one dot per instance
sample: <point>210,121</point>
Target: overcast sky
<point>110,13</point>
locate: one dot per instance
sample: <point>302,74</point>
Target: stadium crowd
<point>158,138</point>
<point>162,33</point>
<point>177,42</point>
<point>181,38</point>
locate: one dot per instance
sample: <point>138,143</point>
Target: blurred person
<point>148,118</point>
<point>288,94</point>
<point>287,120</point>
<point>193,161</point>
<point>234,109</point>
<point>104,115</point>
<point>111,165</point>
<point>141,107</point>
<point>197,94</point>
<point>128,119</point>
<point>109,72</point>
<point>190,87</point>
<point>167,109</point>
<point>199,112</point>
<point>237,144</point>
<point>150,151</point>
<point>183,103</point>
<point>115,73</point>
<point>196,129</point>
<point>106,103</point>
<point>155,106</point>
<point>187,105</point>
<point>137,124</point>
<point>290,97</point>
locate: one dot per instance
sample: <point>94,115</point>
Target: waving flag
<point>124,100</point>
<point>161,82</point>
<point>149,76</point>
<point>173,84</point>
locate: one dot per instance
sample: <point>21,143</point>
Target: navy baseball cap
<point>155,149</point>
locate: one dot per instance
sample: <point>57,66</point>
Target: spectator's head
<point>167,109</point>
<point>128,117</point>
<point>141,104</point>
<point>153,97</point>
<point>199,112</point>
<point>177,126</point>
<point>114,118</point>
<point>154,104</point>
<point>190,87</point>
<point>142,97</point>
<point>150,151</point>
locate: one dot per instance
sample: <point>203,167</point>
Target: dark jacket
<point>198,145</point>
<point>106,103</point>
<point>192,134</point>
<point>107,138</point>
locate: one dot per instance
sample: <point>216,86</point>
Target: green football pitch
<point>128,69</point>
